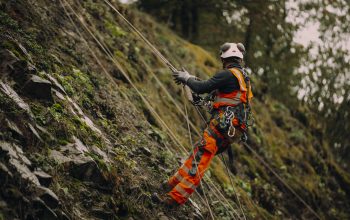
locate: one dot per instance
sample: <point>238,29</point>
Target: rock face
<point>5,174</point>
<point>38,88</point>
<point>49,197</point>
<point>40,199</point>
<point>8,90</point>
<point>100,152</point>
<point>18,161</point>
<point>86,169</point>
<point>11,67</point>
<point>16,132</point>
<point>7,61</point>
<point>44,178</point>
<point>42,211</point>
<point>79,165</point>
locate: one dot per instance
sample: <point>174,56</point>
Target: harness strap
<point>212,133</point>
<point>234,101</point>
<point>239,75</point>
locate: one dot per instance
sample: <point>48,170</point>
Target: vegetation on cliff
<point>91,148</point>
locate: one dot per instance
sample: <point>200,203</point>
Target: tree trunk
<point>195,21</point>
<point>247,38</point>
<point>184,16</point>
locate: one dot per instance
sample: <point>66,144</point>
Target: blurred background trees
<point>298,52</point>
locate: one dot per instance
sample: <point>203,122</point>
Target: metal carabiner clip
<point>229,117</point>
<point>231,131</point>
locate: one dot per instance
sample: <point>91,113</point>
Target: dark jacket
<point>223,81</point>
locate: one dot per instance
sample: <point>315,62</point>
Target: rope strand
<point>194,156</point>
<point>172,136</point>
<point>231,181</point>
<point>157,53</point>
<point>281,180</point>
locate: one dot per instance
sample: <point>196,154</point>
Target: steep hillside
<point>89,131</point>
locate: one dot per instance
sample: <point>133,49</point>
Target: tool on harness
<point>232,118</point>
<point>230,115</point>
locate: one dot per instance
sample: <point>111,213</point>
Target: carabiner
<point>231,131</point>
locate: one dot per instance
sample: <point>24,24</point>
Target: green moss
<point>157,134</point>
<point>95,9</point>
<point>8,106</point>
<point>115,30</point>
<point>219,173</point>
<point>83,81</point>
<point>297,136</point>
<point>252,165</point>
<point>100,162</point>
<point>56,111</point>
<point>65,82</point>
<point>129,140</point>
<point>6,22</point>
<point>122,157</point>
<point>12,46</point>
<point>245,186</point>
<point>166,157</point>
<point>35,47</point>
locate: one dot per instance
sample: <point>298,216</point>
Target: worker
<point>228,120</point>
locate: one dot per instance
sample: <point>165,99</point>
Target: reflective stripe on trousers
<point>185,181</point>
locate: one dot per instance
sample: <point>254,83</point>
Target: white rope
<point>109,54</point>
<point>172,136</point>
<point>194,157</point>
<point>281,180</point>
<point>233,187</point>
<point>153,48</point>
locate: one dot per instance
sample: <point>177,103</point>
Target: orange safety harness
<point>230,110</point>
<point>236,97</point>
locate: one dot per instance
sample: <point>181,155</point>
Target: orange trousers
<point>188,177</point>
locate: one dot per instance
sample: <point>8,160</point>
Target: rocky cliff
<point>91,123</point>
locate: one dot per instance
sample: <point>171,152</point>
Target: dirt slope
<point>78,142</point>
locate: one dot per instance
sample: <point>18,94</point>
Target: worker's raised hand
<point>181,76</point>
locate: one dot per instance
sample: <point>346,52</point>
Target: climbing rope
<point>262,161</point>
<point>125,75</point>
<point>148,105</point>
<point>108,75</point>
<point>153,75</point>
<point>160,55</point>
<point>272,171</point>
<point>233,188</point>
<point>157,53</point>
<point>194,156</point>
<point>194,128</point>
<point>135,30</point>
<point>228,172</point>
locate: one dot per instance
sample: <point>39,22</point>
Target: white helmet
<point>232,50</point>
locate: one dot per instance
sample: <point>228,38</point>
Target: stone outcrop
<point>38,87</point>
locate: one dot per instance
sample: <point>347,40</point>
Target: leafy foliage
<point>298,72</point>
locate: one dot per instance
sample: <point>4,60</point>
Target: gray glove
<point>182,76</point>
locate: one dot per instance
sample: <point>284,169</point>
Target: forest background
<point>297,52</point>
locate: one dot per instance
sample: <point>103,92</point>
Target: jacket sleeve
<point>206,86</point>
